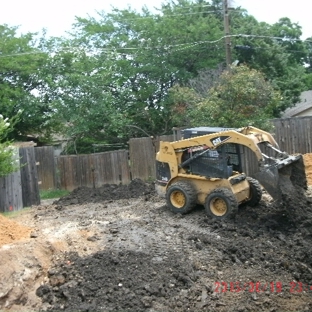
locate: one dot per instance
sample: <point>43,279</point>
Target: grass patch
<point>12,214</point>
<point>50,194</point>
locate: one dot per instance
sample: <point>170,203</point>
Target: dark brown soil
<point>83,195</point>
<point>297,206</point>
<point>153,260</point>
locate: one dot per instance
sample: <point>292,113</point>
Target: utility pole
<point>227,33</point>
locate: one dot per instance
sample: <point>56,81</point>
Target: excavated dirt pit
<point>118,248</point>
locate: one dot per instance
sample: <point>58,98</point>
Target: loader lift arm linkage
<point>268,175</point>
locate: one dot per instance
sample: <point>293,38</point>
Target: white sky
<point>57,16</point>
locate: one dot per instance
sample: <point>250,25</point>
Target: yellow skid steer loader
<point>205,167</point>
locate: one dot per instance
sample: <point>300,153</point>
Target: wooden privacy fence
<point>93,170</point>
<point>68,172</point>
<point>294,135</point>
<point>20,189</point>
<point>46,170</point>
<point>11,197</point>
<point>40,169</point>
<point>141,154</point>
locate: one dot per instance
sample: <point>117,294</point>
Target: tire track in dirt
<point>134,254</point>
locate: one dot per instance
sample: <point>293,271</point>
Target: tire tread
<point>229,197</point>
<point>191,195</point>
<point>256,192</point>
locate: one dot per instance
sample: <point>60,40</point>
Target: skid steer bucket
<point>283,177</point>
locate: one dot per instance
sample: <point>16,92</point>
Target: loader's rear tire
<point>181,197</point>
<point>221,204</point>
<point>255,192</point>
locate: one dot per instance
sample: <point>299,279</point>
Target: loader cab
<point>230,152</point>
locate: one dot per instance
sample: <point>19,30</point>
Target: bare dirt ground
<point>118,248</point>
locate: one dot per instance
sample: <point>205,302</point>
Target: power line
<point>249,48</point>
<point>236,10</point>
<point>165,47</point>
<point>270,37</point>
<point>163,16</point>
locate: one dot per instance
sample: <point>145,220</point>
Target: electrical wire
<point>166,16</point>
<point>164,47</point>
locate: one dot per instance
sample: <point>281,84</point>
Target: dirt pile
<point>117,281</point>
<point>84,195</point>
<point>154,260</point>
<point>308,165</point>
<point>297,205</point>
<point>133,254</point>
<point>11,231</point>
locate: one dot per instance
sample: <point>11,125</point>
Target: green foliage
<point>112,79</point>
<point>150,53</point>
<point>20,80</point>
<point>81,90</point>
<point>53,193</point>
<point>275,50</point>
<point>308,53</point>
<point>241,97</point>
<point>185,104</point>
<point>308,81</point>
<point>9,161</point>
<point>141,56</point>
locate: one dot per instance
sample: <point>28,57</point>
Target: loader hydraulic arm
<point>261,135</point>
<point>213,141</point>
<point>274,171</point>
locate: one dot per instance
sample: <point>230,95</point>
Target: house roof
<point>304,104</point>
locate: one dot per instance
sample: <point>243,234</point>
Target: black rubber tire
<point>221,204</point>
<point>255,191</point>
<point>181,197</point>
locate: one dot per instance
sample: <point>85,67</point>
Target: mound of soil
<point>83,195</point>
<point>297,205</point>
<point>11,231</point>
<point>142,257</point>
<point>308,166</point>
<point>153,260</point>
<point>119,281</point>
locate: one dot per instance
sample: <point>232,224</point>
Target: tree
<point>153,53</point>
<point>308,63</point>
<point>20,81</point>
<point>80,87</point>
<point>183,39</point>
<point>8,162</point>
<point>112,79</point>
<point>275,50</point>
<point>241,97</point>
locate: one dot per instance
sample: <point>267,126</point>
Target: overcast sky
<point>57,16</point>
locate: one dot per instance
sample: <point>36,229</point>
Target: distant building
<point>303,108</point>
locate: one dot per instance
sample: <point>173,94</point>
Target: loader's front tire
<point>181,197</point>
<point>221,204</point>
<point>255,192</point>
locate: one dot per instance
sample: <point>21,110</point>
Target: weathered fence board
<point>294,134</point>
<point>21,189</point>
<point>29,177</point>
<point>46,168</point>
<point>142,158</point>
<point>11,198</point>
<point>93,170</point>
